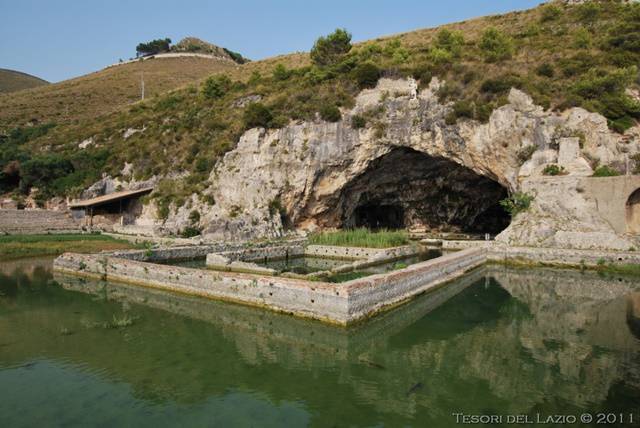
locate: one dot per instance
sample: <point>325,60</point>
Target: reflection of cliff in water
<point>521,340</point>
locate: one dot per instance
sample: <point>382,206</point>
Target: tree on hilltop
<point>329,50</point>
<point>153,47</point>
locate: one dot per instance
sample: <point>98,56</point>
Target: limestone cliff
<point>408,167</point>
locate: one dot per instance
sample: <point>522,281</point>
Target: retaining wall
<point>373,293</point>
<point>36,222</point>
<point>355,253</point>
<point>561,257</point>
<point>335,303</point>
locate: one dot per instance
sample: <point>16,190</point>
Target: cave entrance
<point>409,189</point>
<point>375,217</point>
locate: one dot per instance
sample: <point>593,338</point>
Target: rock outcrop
<point>416,170</point>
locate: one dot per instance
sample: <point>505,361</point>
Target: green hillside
<point>582,55</point>
<point>11,81</point>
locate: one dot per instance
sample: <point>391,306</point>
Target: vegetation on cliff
<point>562,55</point>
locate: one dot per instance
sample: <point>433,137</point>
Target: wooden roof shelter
<point>111,197</point>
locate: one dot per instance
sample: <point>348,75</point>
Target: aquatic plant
<point>361,237</point>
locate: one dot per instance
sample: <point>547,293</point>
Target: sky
<point>61,39</point>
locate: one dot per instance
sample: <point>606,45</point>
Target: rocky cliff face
<point>408,167</point>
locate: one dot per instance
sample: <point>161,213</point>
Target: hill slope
<point>11,81</point>
<point>563,56</point>
<point>104,91</point>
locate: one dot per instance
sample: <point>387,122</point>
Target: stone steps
<point>36,221</point>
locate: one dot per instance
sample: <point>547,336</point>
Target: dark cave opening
<point>409,189</point>
<point>374,216</point>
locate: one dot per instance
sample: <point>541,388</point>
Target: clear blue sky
<point>60,39</point>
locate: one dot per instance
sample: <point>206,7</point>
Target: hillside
<point>104,91</point>
<point>561,55</point>
<point>11,81</point>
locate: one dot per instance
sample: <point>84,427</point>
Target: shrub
<point>257,115</point>
<point>194,216</point>
<point>450,41</point>
<point>500,85</point>
<point>440,56</point>
<point>581,38</point>
<point>605,171</point>
<point>495,45</point>
<point>604,92</point>
<point>216,86</point>
<point>281,73</point>
<point>553,169</point>
<point>550,12</point>
<point>588,11</point>
<point>423,73</point>
<point>190,232</point>
<point>545,70</point>
<point>525,153</point>
<point>329,50</point>
<point>367,75</point>
<point>461,109</point>
<point>517,203</point>
<point>330,113</point>
<point>358,122</point>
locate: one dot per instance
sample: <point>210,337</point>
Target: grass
<point>104,91</point>
<point>361,238</point>
<point>11,81</point>
<point>19,246</point>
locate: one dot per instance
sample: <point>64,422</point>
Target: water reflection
<point>500,340</point>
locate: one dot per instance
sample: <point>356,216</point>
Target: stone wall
<point>334,303</point>
<point>356,253</point>
<point>36,221</point>
<point>371,294</point>
<point>562,257</point>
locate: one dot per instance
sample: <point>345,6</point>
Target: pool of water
<point>500,341</point>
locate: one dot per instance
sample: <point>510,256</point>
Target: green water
<point>500,341</point>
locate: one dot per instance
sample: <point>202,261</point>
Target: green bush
<point>495,45</point>
<point>331,49</point>
<point>550,12</point>
<point>330,113</point>
<point>500,85</point>
<point>194,216</point>
<point>257,115</point>
<point>517,203</point>
<point>281,73</point>
<point>553,169</point>
<point>216,86</point>
<point>589,11</point>
<point>190,232</point>
<point>605,171</point>
<point>450,41</point>
<point>367,75</point>
<point>582,38</point>
<point>358,122</point>
<point>604,92</point>
<point>545,70</point>
<point>460,109</point>
<point>440,57</point>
